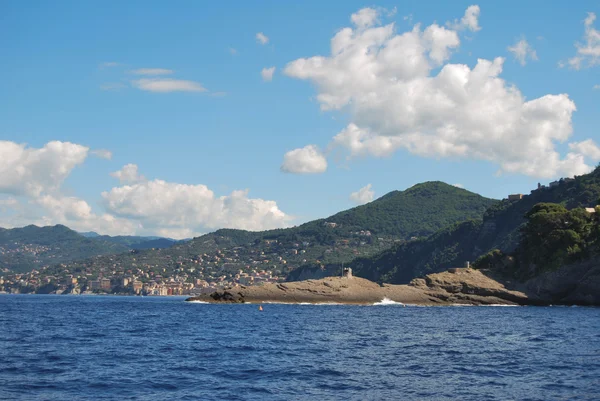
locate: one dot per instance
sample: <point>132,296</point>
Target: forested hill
<point>418,211</point>
<point>360,231</point>
<point>499,229</point>
<point>399,215</point>
<point>136,242</point>
<point>27,248</point>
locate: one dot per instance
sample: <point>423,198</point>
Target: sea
<point>56,347</point>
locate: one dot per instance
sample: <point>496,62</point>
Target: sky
<point>179,118</point>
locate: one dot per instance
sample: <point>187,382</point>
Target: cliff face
<point>577,284</point>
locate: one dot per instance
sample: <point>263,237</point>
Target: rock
<point>463,286</point>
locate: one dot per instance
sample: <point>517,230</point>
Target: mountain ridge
<point>360,231</point>
<point>499,229</point>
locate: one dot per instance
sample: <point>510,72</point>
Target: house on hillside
<point>515,197</point>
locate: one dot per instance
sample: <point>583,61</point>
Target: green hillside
<point>552,237</point>
<point>361,231</point>
<point>500,229</point>
<point>136,242</point>
<point>418,211</point>
<point>27,248</point>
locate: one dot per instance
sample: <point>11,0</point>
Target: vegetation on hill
<point>361,231</point>
<point>136,242</point>
<point>499,229</point>
<point>418,211</point>
<point>27,248</point>
<point>552,237</point>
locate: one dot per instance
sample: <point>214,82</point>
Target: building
<point>137,286</point>
<point>105,284</point>
<point>347,272</point>
<point>515,197</point>
<point>94,285</point>
<point>590,210</point>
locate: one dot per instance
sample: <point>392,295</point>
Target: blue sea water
<point>128,348</point>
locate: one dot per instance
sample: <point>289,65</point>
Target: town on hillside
<point>169,272</point>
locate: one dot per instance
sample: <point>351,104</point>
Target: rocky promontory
<point>455,286</point>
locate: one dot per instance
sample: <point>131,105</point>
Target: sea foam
<point>386,301</point>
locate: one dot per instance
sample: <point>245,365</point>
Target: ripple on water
<point>146,349</point>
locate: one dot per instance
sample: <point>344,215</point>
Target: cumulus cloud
<point>587,148</point>
<point>397,98</point>
<point>36,176</point>
<point>102,153</point>
<point>522,51</point>
<point>469,21</point>
<point>128,174</point>
<point>306,160</point>
<point>262,38</point>
<point>191,207</point>
<point>164,85</point>
<point>363,195</point>
<point>31,192</point>
<point>31,171</point>
<point>364,18</point>
<point>77,214</point>
<point>152,71</point>
<point>267,74</point>
<point>588,51</point>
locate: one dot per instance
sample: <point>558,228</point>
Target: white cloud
<point>596,87</point>
<point>31,193</point>
<point>9,204</point>
<point>306,160</point>
<point>385,82</point>
<point>363,195</point>
<point>159,205</point>
<point>364,18</point>
<point>31,171</point>
<point>469,21</point>
<point>164,85</point>
<point>262,38</point>
<point>267,74</point>
<point>128,174</point>
<point>587,148</point>
<point>77,214</point>
<point>152,71</point>
<point>36,175</point>
<point>523,50</point>
<point>102,153</point>
<point>459,186</point>
<point>588,52</point>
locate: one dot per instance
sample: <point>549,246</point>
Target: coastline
<point>453,287</point>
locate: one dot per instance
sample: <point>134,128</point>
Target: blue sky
<point>69,73</point>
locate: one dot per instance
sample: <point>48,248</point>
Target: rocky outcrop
<point>455,286</point>
<point>577,284</point>
<point>469,286</point>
